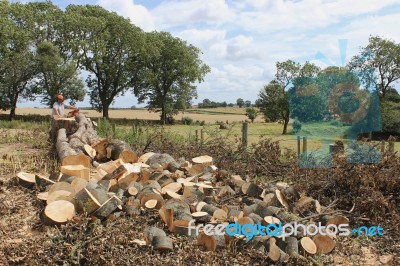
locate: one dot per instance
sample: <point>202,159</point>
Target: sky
<point>241,41</point>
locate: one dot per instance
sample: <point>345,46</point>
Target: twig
<point>314,261</point>
<point>233,197</point>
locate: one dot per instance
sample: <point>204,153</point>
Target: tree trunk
<point>285,125</point>
<point>105,111</point>
<point>12,113</point>
<point>163,116</point>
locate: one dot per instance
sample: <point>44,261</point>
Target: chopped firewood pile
<point>104,178</point>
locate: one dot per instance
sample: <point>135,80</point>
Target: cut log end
<point>59,212</point>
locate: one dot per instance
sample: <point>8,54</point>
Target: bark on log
<point>86,201</point>
<point>63,148</point>
<point>121,150</point>
<point>107,208</point>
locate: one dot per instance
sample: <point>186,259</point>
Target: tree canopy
<point>171,69</point>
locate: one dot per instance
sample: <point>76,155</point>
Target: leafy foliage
<point>171,69</point>
<point>251,113</point>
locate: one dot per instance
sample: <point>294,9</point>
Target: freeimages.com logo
<point>343,103</point>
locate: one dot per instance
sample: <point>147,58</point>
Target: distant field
<point>317,133</point>
<point>230,114</point>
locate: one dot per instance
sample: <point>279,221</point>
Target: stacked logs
<point>180,191</point>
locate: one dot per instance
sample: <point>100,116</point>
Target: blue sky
<point>242,40</point>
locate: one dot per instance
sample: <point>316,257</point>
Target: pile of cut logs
<point>104,178</point>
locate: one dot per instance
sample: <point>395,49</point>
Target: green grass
<point>18,124</point>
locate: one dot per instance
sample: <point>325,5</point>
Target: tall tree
<point>172,68</point>
<point>57,76</point>
<point>17,64</point>
<point>286,73</point>
<point>108,47</point>
<point>273,102</point>
<point>240,102</point>
<point>58,69</point>
<point>378,64</point>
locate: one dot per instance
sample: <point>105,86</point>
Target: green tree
<point>109,47</point>
<point>378,64</point>
<point>240,102</point>
<point>17,64</point>
<point>171,69</point>
<point>251,113</point>
<point>286,74</point>
<point>273,102</point>
<point>247,103</point>
<point>57,76</point>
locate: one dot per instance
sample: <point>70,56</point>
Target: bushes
<point>296,126</point>
<point>187,120</point>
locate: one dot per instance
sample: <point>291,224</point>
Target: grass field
<point>230,114</point>
<point>318,134</point>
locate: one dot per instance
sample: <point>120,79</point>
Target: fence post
<point>304,144</point>
<point>197,136</point>
<point>201,137</point>
<point>382,146</point>
<point>298,145</point>
<point>245,131</point>
<point>391,146</point>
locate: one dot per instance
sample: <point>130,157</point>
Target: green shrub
<point>296,126</point>
<point>187,120</point>
<point>336,123</point>
<point>251,113</point>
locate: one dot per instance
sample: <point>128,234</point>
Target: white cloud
<point>176,13</point>
<point>138,14</point>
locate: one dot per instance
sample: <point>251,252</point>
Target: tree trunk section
<point>121,150</point>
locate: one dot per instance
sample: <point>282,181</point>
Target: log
<point>201,216</point>
<point>26,180</point>
<point>121,150</point>
<point>78,184</point>
<point>89,151</point>
<point>100,148</point>
<point>174,187</point>
<point>324,243</point>
<point>62,146</point>
<point>145,157</point>
<point>209,242</point>
<point>86,201</point>
<point>107,208</point>
<point>61,186</point>
<point>160,159</point>
<point>226,191</point>
<point>220,215</point>
<point>43,196</point>
<point>251,189</point>
<point>60,195</point>
<point>204,160</point>
<point>99,193</point>
<point>117,173</point>
<point>152,196</point>
<point>42,181</point>
<point>59,212</point>
<point>76,170</point>
<point>157,238</point>
<point>132,207</point>
<point>308,245</point>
